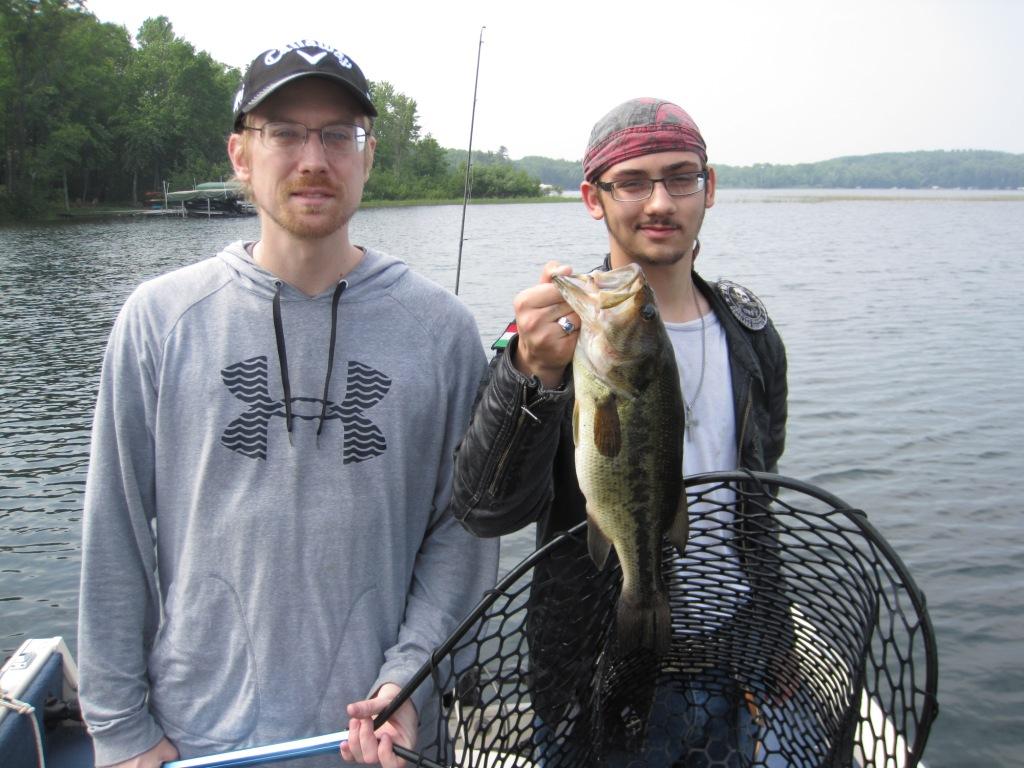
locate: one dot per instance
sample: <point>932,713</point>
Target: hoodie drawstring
<point>282,361</point>
<point>338,290</point>
<point>282,357</point>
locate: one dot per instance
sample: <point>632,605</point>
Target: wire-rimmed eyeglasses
<point>340,138</point>
<point>635,190</point>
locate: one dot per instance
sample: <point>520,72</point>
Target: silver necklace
<point>691,421</point>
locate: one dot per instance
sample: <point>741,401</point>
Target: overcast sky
<point>778,81</point>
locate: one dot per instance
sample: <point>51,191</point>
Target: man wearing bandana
<point>647,178</point>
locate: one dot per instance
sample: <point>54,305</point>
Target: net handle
<point>286,750</point>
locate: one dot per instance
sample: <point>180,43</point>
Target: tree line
<point>88,117</point>
<point>947,169</point>
<point>91,117</point>
<point>410,165</point>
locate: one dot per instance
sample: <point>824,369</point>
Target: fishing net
<point>798,639</point>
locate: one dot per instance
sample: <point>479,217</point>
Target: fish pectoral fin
<point>679,532</point>
<point>599,547</point>
<point>575,422</point>
<point>607,429</point>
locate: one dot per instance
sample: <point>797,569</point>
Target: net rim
<point>766,483</point>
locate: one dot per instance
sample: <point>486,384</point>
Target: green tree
<point>407,165</point>
<point>80,142</point>
<point>559,173</point>
<point>427,160</point>
<point>503,180</point>
<point>176,113</point>
<point>60,74</point>
<point>909,170</point>
<point>397,127</point>
<point>30,34</point>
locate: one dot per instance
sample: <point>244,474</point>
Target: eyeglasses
<point>635,190</point>
<point>340,139</point>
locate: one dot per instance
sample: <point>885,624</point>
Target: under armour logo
<point>247,434</point>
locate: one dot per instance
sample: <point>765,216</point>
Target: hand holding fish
<point>546,345</point>
<point>365,746</point>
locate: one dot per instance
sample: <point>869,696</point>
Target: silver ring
<point>566,324</point>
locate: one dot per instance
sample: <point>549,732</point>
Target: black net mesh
<point>799,639</point>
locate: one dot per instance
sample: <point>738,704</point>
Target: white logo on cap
<point>274,55</point>
<point>314,59</point>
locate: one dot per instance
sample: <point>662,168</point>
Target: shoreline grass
<point>113,210</point>
<point>472,201</point>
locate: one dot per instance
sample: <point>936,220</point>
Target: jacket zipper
<point>743,423</point>
<point>524,412</point>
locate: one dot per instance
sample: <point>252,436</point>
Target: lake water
<point>903,321</point>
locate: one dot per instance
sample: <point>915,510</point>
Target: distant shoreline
<point>864,194</point>
<point>734,194</point>
<point>458,201</point>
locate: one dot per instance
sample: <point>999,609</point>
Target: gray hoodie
<point>241,583</point>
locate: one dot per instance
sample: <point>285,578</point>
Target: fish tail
<point>644,624</point>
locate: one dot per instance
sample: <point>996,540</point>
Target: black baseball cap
<point>305,58</point>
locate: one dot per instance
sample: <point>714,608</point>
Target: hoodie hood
<point>374,276</point>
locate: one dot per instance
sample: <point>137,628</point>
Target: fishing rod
<point>469,160</point>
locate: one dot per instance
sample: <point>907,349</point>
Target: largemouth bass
<point>628,426</point>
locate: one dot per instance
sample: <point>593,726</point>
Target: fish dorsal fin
<point>678,533</point>
<point>599,547</point>
<point>607,430</point>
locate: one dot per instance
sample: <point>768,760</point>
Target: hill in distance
<point>947,169</point>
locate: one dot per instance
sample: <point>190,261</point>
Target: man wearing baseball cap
<point>267,552</point>
<point>646,176</point>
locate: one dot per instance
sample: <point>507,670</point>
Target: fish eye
<point>648,311</point>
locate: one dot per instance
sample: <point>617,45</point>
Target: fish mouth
<point>591,292</point>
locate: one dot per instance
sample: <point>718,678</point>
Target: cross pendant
<point>691,422</point>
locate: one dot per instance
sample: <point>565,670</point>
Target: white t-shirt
<point>711,438</point>
<point>711,561</point>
